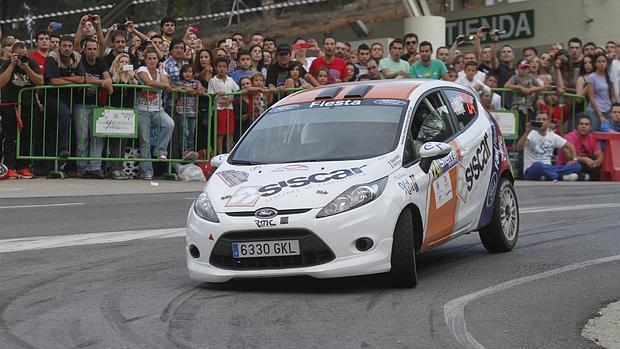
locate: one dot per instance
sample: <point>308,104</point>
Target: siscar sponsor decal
<point>298,182</point>
<point>346,102</point>
<point>478,162</point>
<point>232,177</point>
<point>441,166</point>
<point>291,168</point>
<point>394,162</point>
<point>244,197</point>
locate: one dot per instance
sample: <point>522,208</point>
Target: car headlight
<point>204,209</point>
<point>353,197</point>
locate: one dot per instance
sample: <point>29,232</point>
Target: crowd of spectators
<point>176,70</point>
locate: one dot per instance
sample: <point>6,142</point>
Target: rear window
<point>464,106</point>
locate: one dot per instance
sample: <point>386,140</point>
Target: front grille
<point>280,212</point>
<point>313,250</point>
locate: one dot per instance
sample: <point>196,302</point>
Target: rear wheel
<point>403,273</point>
<point>501,234</point>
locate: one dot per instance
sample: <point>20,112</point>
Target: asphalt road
<point>136,294</point>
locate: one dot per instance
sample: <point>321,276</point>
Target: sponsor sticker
<point>284,108</point>
<point>244,197</point>
<point>232,177</point>
<point>443,190</point>
<point>443,165</point>
<point>408,184</point>
<point>291,168</point>
<point>346,102</point>
<point>389,102</point>
<point>394,162</point>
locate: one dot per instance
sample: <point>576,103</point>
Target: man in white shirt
<point>538,144</point>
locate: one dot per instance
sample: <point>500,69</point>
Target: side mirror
<point>218,160</point>
<point>432,151</point>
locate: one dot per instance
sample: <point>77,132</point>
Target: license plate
<point>265,248</point>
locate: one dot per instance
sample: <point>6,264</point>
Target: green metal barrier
<point>54,111</point>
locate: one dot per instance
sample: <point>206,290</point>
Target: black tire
<point>403,273</point>
<point>501,234</point>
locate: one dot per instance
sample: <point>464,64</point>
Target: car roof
<point>393,89</point>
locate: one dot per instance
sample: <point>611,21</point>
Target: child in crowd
<point>295,80</point>
<point>322,76</point>
<point>261,99</point>
<point>221,85</point>
<point>471,68</point>
<point>491,81</point>
<point>452,74</point>
<point>185,110</point>
<point>244,68</point>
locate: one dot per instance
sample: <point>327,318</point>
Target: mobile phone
<point>91,18</point>
<point>536,125</point>
<point>194,29</point>
<point>302,46</point>
<point>460,38</point>
<point>127,67</point>
<point>55,25</point>
<point>228,43</point>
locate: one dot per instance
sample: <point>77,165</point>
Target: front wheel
<point>501,234</point>
<point>403,273</point>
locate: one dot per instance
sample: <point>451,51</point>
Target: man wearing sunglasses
<point>411,46</point>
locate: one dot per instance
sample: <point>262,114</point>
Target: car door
<point>432,122</point>
<point>475,144</point>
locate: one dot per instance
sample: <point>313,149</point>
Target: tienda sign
<point>517,25</point>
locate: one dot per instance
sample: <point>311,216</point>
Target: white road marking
<point>55,241</point>
<point>44,205</point>
<point>567,208</point>
<point>454,310</point>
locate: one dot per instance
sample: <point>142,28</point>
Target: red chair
<point>610,168</point>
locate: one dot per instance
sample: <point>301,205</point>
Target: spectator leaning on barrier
<point>18,73</point>
<point>393,67</point>
<point>613,125</point>
<point>411,46</point>
<point>186,109</point>
<point>469,78</point>
<point>122,72</point>
<point>61,68</point>
<point>538,144</point>
<point>600,92</point>
<point>280,71</point>
<point>336,66</point>
<point>527,86</point>
<point>221,85</point>
<point>151,113</point>
<point>427,67</point>
<point>95,72</point>
<point>588,151</point>
<point>172,66</point>
<point>587,68</point>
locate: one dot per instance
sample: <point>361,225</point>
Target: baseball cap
<point>283,49</point>
<point>524,64</point>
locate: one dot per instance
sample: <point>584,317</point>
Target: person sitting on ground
<point>589,153</point>
<point>538,144</point>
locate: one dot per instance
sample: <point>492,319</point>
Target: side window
<point>431,121</point>
<point>463,105</point>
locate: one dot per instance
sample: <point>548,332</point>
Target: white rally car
<point>354,179</point>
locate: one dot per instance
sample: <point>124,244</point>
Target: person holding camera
<point>538,144</point>
<point>18,73</point>
<point>119,45</point>
<point>90,27</point>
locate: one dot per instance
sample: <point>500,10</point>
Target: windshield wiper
<point>244,162</point>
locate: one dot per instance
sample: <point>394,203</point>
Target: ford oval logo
<point>265,213</point>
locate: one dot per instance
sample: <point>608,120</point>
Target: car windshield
<point>322,131</point>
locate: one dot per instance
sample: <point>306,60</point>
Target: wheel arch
<point>418,226</point>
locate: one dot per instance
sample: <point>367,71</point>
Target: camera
<point>485,29</point>
<point>536,125</point>
<point>121,27</point>
<point>23,59</point>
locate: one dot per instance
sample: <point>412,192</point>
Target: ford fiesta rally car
<point>354,179</point>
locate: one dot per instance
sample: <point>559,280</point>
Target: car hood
<point>308,185</point>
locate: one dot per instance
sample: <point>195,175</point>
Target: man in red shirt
<point>588,150</point>
<point>337,66</point>
<point>43,47</point>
